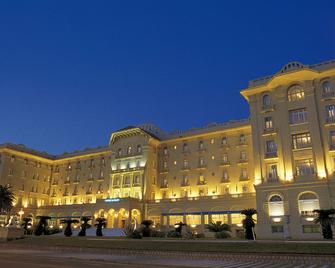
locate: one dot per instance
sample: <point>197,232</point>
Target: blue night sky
<point>71,72</point>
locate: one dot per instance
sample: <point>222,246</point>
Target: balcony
<point>244,178</point>
<point>272,179</point>
<point>243,161</point>
<point>126,185</point>
<point>271,154</point>
<point>202,183</point>
<point>268,131</point>
<point>201,166</point>
<point>225,163</point>
<point>136,184</point>
<point>164,186</point>
<point>225,180</point>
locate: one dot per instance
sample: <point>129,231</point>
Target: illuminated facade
<point>281,161</point>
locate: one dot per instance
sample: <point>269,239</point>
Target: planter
<point>7,234</point>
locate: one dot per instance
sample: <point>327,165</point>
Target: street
<point>47,259</point>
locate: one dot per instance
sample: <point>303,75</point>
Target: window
<point>225,159</point>
<point>165,151</point>
<point>298,116</point>
<point>309,229</point>
<point>277,228</point>
<point>268,123</point>
<point>129,150</point>
<point>244,174</point>
<point>201,145</point>
<point>276,206</point>
<point>201,161</point>
<point>242,139</point>
<point>272,172</point>
<point>330,113</point>
<point>302,140</point>
<point>304,167</point>
<point>225,176</point>
<point>139,149</point>
<point>243,156</point>
<point>185,147</point>
<point>212,141</point>
<point>126,181</point>
<point>271,148</point>
<point>116,181</point>
<point>185,180</point>
<point>266,101</point>
<point>327,88</point>
<point>136,180</point>
<point>295,93</point>
<point>119,152</point>
<point>202,179</point>
<point>185,164</point>
<point>165,165</point>
<point>224,141</point>
<point>308,202</point>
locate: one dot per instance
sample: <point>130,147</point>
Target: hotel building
<point>280,161</point>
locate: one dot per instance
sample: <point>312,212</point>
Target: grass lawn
<point>184,245</point>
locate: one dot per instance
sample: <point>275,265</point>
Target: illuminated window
<point>212,141</point>
<point>243,156</point>
<point>244,174</point>
<point>193,219</point>
<point>129,150</point>
<point>165,151</point>
<point>271,147</point>
<point>201,161</point>
<point>332,138</point>
<point>225,159</point>
<point>301,140</point>
<point>185,164</point>
<point>225,176</point>
<point>119,152</point>
<point>272,172</point>
<point>295,93</point>
<point>268,123</point>
<point>308,202</point>
<point>223,218</point>
<point>330,112</point>
<point>304,167</point>
<point>276,206</point>
<point>298,116</point>
<point>165,165</point>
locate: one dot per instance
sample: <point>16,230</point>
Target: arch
<point>295,92</point>
<point>88,213</point>
<point>110,218</point>
<point>327,87</point>
<point>135,216</point>
<point>307,203</point>
<point>123,215</point>
<point>76,215</point>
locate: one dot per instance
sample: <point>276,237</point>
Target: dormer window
<point>139,149</point>
<point>119,152</point>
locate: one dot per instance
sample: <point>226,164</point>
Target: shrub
<point>201,235</point>
<point>146,230</point>
<point>173,234</point>
<point>222,235</point>
<point>155,233</point>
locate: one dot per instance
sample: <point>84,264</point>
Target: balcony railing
<point>202,182</point>
<point>163,186</point>
<point>328,95</point>
<point>267,108</point>
<point>225,163</point>
<point>330,120</point>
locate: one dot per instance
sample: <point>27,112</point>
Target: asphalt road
<point>25,258</point>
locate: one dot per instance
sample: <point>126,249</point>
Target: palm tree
<point>249,223</point>
<point>326,221</point>
<point>6,199</point>
<point>220,229</point>
<point>101,222</point>
<point>26,224</point>
<point>68,229</point>
<point>84,225</point>
<point>42,225</point>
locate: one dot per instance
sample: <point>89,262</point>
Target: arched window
<point>139,149</point>
<point>276,206</point>
<point>308,202</point>
<point>266,100</point>
<point>327,88</point>
<point>295,93</point>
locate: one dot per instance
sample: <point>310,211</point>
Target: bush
<point>173,234</point>
<point>155,233</point>
<point>136,234</point>
<point>201,235</point>
<point>222,235</point>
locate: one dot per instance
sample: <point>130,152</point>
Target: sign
<point>112,200</point>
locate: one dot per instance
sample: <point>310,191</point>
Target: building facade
<point>280,161</point>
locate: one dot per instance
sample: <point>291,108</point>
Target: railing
<point>329,94</point>
<point>270,154</point>
<point>269,107</point>
<point>202,183</point>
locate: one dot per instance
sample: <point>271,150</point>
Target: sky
<point>71,72</point>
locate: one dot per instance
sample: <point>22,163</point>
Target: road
<point>48,259</point>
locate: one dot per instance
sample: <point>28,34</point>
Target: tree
<point>68,228</point>
<point>6,199</point>
<point>220,229</point>
<point>101,222</point>
<point>42,226</point>
<point>326,221</point>
<point>146,231</point>
<point>26,225</point>
<point>84,225</point>
<point>249,223</point>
